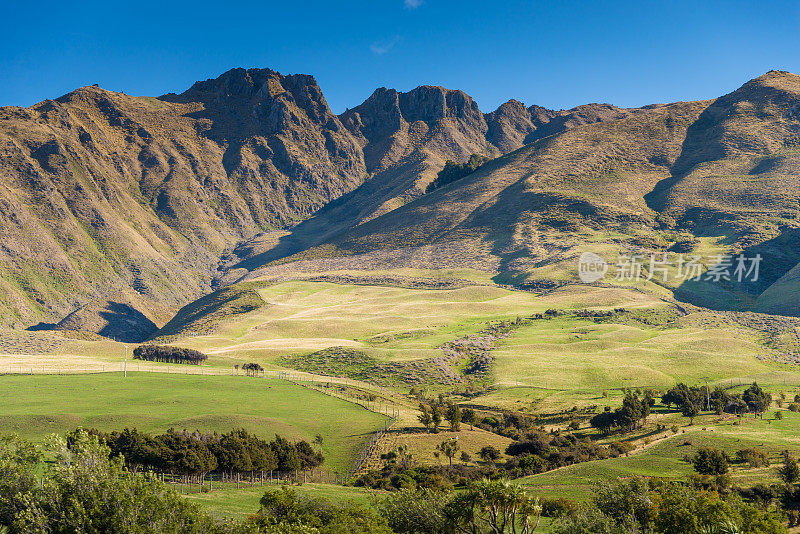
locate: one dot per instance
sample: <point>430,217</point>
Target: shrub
<point>558,507</point>
<point>753,457</point>
<point>708,461</point>
<point>453,171</point>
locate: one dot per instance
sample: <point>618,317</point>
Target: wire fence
<point>205,483</point>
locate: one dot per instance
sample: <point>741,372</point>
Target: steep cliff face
<point>126,199</point>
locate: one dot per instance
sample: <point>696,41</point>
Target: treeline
<point>455,171</point>
<point>196,453</point>
<point>691,399</point>
<point>252,369</point>
<point>83,487</point>
<point>167,354</point>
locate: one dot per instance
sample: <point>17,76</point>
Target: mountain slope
<point>407,138</point>
<point>105,196</point>
<point>724,169</point>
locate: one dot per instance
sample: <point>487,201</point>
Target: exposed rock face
<point>392,125</point>
<point>106,194</point>
<point>512,125</point>
<point>406,139</point>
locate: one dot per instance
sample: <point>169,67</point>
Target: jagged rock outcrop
<point>107,194</point>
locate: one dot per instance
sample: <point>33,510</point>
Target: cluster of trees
<point>252,369</point>
<point>196,453</point>
<point>541,451</point>
<point>455,171</point>
<point>485,506</point>
<point>83,489</point>
<point>692,399</point>
<point>639,505</point>
<point>623,507</point>
<point>431,417</point>
<point>630,416</point>
<point>167,354</point>
<point>538,451</point>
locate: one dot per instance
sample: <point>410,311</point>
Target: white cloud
<point>382,48</point>
<point>413,4</point>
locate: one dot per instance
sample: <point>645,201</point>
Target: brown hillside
<point>104,193</point>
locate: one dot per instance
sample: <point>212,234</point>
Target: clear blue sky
<point>555,54</point>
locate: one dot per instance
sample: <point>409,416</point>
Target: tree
<point>757,399</point>
<point>489,454</point>
<point>604,421</point>
<point>425,417</point>
<point>84,489</point>
<point>708,461</point>
<point>493,506</point>
<point>468,416</point>
<point>453,416</point>
<point>436,418</point>
<point>789,471</point>
<point>465,457</point>
<point>449,447</point>
<point>689,409</point>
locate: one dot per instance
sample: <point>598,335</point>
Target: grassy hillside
<point>36,406</point>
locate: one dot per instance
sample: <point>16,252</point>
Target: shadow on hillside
<point>779,256</point>
<point>703,142</point>
<point>125,323</point>
<point>114,320</point>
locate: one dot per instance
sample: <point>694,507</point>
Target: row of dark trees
<point>252,369</point>
<point>167,354</point>
<point>691,399</point>
<point>196,453</point>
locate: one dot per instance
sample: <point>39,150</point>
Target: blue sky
<point>555,54</point>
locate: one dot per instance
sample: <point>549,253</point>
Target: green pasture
<point>38,405</point>
<point>664,458</point>
<point>238,503</point>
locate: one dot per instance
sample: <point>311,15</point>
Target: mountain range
<point>117,210</point>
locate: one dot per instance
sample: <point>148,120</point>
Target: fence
<point>220,481</point>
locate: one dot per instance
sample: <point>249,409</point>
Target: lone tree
<point>757,400</point>
<point>604,421</point>
<point>710,461</point>
<point>436,418</point>
<point>449,447</point>
<point>468,416</point>
<point>789,471</point>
